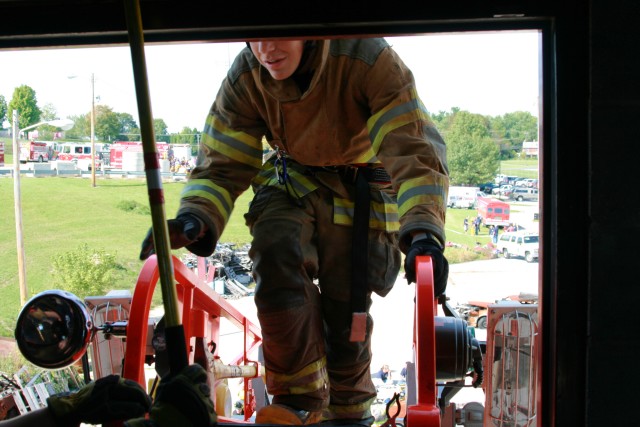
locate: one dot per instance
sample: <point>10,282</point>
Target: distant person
<point>384,373</point>
<point>495,235</point>
<point>465,224</point>
<point>403,371</point>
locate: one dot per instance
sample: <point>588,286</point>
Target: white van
<point>519,243</point>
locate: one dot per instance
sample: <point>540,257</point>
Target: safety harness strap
<point>359,259</point>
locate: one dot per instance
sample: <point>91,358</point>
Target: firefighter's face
<point>280,58</point>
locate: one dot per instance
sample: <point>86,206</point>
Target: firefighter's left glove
<point>107,399</point>
<point>182,400</point>
<point>431,247</point>
<point>184,231</point>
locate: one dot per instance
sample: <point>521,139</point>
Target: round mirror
<point>54,329</point>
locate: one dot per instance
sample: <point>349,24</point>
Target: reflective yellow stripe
<point>383,216</point>
<point>393,117</point>
<point>266,179</point>
<point>355,411</point>
<point>298,181</point>
<point>237,145</point>
<point>311,387</point>
<point>424,190</point>
<point>297,383</point>
<point>213,193</point>
<point>368,157</point>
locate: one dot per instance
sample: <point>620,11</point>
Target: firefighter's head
<point>280,58</point>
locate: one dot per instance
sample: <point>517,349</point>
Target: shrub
<point>84,271</point>
<point>134,207</point>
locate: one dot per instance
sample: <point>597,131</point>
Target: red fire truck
<point>117,149</point>
<point>80,154</point>
<point>34,151</point>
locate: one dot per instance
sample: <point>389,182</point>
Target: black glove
<point>183,400</point>
<point>106,399</point>
<point>429,247</point>
<point>184,230</point>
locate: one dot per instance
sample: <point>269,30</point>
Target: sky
<point>485,73</point>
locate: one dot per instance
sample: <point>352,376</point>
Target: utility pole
<point>22,271</point>
<point>93,132</point>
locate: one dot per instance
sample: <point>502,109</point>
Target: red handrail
<point>199,303</point>
<point>425,413</point>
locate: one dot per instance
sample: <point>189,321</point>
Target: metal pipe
<point>174,331</point>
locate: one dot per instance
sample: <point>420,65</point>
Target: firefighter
<point>357,173</point>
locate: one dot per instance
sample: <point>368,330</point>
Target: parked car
<point>498,190</point>
<point>503,190</point>
<point>520,244</point>
<point>487,187</point>
<point>524,194</point>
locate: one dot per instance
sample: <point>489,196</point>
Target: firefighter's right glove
<point>182,400</point>
<point>106,399</point>
<point>432,248</point>
<point>184,231</point>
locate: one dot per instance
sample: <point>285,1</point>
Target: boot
<point>281,414</point>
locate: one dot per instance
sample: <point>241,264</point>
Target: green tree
<point>498,134</point>
<point>3,109</point>
<point>129,130</point>
<point>472,156</point>
<point>512,129</point>
<point>160,130</point>
<point>443,119</point>
<point>186,136</point>
<point>84,271</point>
<point>48,112</point>
<point>24,100</point>
<point>107,125</point>
<point>81,128</point>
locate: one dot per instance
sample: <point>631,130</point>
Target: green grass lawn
<point>60,214</point>
<point>523,168</point>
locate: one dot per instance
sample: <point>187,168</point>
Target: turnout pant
<point>302,266</point>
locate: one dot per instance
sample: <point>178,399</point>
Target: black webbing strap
<point>359,259</point>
